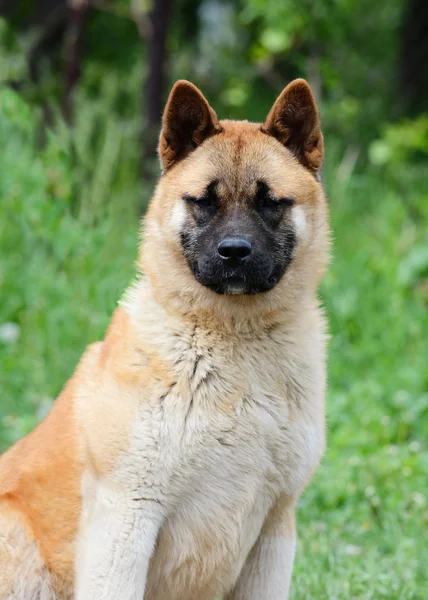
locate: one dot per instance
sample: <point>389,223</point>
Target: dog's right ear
<point>187,121</point>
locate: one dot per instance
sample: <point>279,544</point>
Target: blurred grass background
<point>80,102</point>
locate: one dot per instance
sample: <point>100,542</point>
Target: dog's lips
<point>234,286</point>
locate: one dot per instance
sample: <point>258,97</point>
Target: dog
<point>170,465</point>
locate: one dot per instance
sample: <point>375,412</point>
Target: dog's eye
<point>207,200</point>
<point>265,200</point>
<point>272,202</point>
<point>269,202</point>
<point>204,200</point>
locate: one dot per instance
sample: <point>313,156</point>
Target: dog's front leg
<point>266,574</point>
<point>114,548</point>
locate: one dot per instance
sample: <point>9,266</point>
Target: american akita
<point>170,466</point>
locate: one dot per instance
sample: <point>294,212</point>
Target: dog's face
<point>237,235</point>
<point>238,202</point>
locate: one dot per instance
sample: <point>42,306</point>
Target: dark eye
<point>266,200</point>
<point>269,202</point>
<point>206,200</point>
<point>198,200</point>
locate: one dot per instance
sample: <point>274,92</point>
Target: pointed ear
<point>295,122</point>
<point>187,121</point>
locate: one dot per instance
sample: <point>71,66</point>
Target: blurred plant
<point>14,65</point>
<point>401,142</point>
<point>242,52</point>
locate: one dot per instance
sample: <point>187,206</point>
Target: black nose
<point>234,249</point>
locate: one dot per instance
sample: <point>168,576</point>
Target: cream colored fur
<point>20,555</point>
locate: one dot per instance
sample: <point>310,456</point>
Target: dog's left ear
<point>294,121</point>
<point>187,121</point>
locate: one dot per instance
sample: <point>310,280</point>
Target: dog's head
<point>239,213</point>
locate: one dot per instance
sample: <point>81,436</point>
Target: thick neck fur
<point>213,360</point>
<point>233,317</point>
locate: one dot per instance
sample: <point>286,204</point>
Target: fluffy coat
<point>170,466</point>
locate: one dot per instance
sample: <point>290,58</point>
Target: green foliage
<point>51,259</point>
<point>14,66</point>
<point>344,44</point>
<point>403,141</point>
<point>105,143</point>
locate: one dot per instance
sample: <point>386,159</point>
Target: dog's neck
<point>229,315</point>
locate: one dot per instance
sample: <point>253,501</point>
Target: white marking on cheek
<point>178,216</point>
<point>299,221</point>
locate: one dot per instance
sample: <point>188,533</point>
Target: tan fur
<point>170,465</point>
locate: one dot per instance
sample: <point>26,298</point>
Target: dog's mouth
<point>235,284</point>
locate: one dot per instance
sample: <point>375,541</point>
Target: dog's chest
<point>227,413</point>
<point>230,442</point>
<point>223,485</point>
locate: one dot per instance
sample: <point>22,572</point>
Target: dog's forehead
<point>242,153</point>
<point>239,157</point>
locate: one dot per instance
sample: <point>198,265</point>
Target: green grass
<point>362,520</point>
